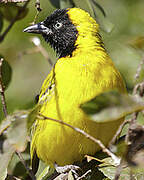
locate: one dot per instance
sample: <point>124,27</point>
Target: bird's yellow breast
<point>74,80</point>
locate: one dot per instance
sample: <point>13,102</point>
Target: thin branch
<point>37,5</point>
<point>30,172</point>
<point>36,41</point>
<point>119,169</point>
<point>118,132</point>
<point>3,100</point>
<point>104,149</point>
<point>137,75</point>
<point>28,51</point>
<point>84,175</point>
<point>38,8</point>
<point>13,21</point>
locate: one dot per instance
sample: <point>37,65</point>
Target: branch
<point>119,169</point>
<point>104,149</point>
<point>13,22</point>
<point>2,90</point>
<point>84,175</point>
<point>30,172</point>
<point>118,132</point>
<point>137,75</point>
<point>37,43</point>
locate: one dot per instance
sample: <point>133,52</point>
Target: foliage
<point>23,72</point>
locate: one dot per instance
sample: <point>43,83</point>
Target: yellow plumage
<point>72,81</point>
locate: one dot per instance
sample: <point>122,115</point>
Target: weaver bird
<point>82,71</point>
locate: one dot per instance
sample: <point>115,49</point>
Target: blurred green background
<point>124,44</point>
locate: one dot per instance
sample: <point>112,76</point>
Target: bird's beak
<point>39,28</point>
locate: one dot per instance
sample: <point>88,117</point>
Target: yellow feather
<point>73,81</point>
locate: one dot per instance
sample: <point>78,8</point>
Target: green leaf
<point>101,17</point>
<point>55,3</point>
<point>109,171</point>
<point>10,11</point>
<point>5,159</point>
<point>6,73</point>
<point>17,132</point>
<point>44,171</point>
<point>111,106</point>
<point>45,174</point>
<point>66,4</point>
<point>23,13</point>
<point>5,125</point>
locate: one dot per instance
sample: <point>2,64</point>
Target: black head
<point>58,30</point>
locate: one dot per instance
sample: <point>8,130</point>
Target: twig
<point>137,75</point>
<point>28,51</point>
<point>104,149</point>
<point>3,100</point>
<point>118,170</point>
<point>84,175</point>
<point>38,8</point>
<point>37,43</point>
<point>31,174</point>
<point>131,175</point>
<point>13,21</point>
<point>12,177</point>
<point>140,87</point>
<point>118,132</point>
<point>37,5</point>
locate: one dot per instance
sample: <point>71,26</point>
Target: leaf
<point>5,125</point>
<point>23,13</point>
<point>109,171</point>
<point>10,11</point>
<point>3,175</point>
<point>6,73</point>
<point>71,176</point>
<point>17,132</point>
<point>45,174</point>
<point>101,17</point>
<point>66,4</point>
<point>55,3</point>
<point>32,116</point>
<point>90,158</point>
<point>44,171</point>
<point>111,106</point>
<point>5,159</point>
<point>86,5</point>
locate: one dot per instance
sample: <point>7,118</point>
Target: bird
<point>82,71</point>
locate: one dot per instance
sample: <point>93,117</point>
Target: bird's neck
<point>89,42</point>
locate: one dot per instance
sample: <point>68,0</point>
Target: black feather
<point>62,39</point>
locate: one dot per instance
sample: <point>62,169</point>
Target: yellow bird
<point>83,71</point>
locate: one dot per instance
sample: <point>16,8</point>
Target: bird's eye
<point>58,25</point>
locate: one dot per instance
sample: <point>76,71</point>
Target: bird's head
<point>63,27</point>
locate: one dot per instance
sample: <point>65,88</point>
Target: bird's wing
<point>47,89</point>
